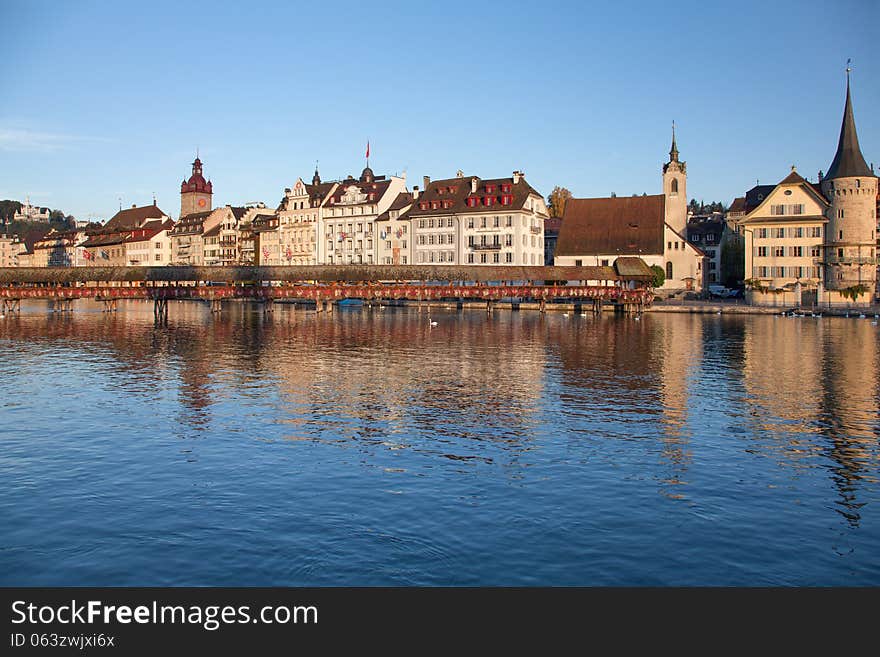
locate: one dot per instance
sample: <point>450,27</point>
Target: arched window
<point>674,188</point>
<point>668,271</point>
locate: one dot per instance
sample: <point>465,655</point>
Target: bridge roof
<point>321,273</point>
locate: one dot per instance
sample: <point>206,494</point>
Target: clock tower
<point>195,193</point>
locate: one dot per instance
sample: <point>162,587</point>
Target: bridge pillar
<point>160,309</point>
<point>11,306</point>
<point>110,305</point>
<point>216,305</point>
<point>268,306</point>
<point>543,306</point>
<point>489,306</point>
<point>330,306</point>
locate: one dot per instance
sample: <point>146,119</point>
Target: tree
<point>556,201</point>
<point>8,209</point>
<point>659,276</point>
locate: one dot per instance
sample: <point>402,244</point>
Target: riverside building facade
<point>475,221</point>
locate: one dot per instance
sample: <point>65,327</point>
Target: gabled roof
<point>848,161</point>
<point>628,225</point>
<point>738,205</point>
<point>756,195</point>
<point>402,203</point>
<point>133,218</point>
<point>377,188</point>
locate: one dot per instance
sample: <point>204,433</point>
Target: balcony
<point>536,230</point>
<point>834,259</point>
<point>486,247</point>
<point>227,242</point>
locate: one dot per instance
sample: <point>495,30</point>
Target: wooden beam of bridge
<point>303,273</point>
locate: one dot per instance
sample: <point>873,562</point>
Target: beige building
<point>819,238</point>
<point>783,239</point>
<point>299,215</point>
<point>150,245</point>
<point>395,231</point>
<point>106,245</point>
<point>9,248</point>
<point>209,239</point>
<point>187,244</point>
<point>596,231</point>
<point>475,221</point>
<point>60,249</point>
<point>346,223</point>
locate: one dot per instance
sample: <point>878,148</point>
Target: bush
<point>659,276</point>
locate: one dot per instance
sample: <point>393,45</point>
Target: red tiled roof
<point>629,225</point>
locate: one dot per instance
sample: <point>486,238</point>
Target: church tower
<point>195,193</point>
<point>675,189</point>
<point>851,188</point>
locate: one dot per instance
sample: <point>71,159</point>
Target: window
<point>779,232</point>
<point>840,237</point>
<point>470,240</point>
<point>779,251</point>
<point>509,221</point>
<point>158,257</point>
<point>483,258</point>
<point>482,222</point>
<point>796,251</point>
<point>669,271</point>
<point>695,238</point>
<point>508,240</point>
<point>578,263</point>
<point>816,231</point>
<point>676,245</point>
<point>508,257</point>
<point>470,222</point>
<point>669,246</point>
<point>815,252</point>
<point>762,251</point>
<point>496,257</point>
<point>674,187</point>
<point>797,232</point>
<point>388,244</point>
<point>496,222</point>
<point>470,258</point>
<point>839,253</point>
<point>762,233</point>
<point>158,245</point>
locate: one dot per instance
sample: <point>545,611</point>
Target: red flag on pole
<point>368,149</point>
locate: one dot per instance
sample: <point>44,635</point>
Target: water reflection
<point>568,436</point>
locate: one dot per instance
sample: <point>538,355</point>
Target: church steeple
<point>673,152</point>
<point>848,161</point>
<point>316,179</point>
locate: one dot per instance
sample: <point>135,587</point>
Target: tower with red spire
<point>195,193</point>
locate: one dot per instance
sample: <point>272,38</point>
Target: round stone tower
<point>851,189</point>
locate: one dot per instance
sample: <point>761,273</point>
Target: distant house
<point>709,233</point>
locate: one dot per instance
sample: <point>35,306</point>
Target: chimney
<point>474,185</point>
<point>821,175</point>
<point>415,192</point>
<point>517,175</point>
<point>426,180</point>
<point>459,174</point>
<point>134,205</point>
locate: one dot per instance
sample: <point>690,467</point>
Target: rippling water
<point>368,448</point>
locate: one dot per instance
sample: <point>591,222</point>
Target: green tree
<point>8,209</point>
<point>659,276</point>
<point>556,201</point>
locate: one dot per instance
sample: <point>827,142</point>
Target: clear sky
<point>103,100</point>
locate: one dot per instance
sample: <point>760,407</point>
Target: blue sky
<point>110,99</point>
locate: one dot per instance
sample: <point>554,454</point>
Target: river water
<point>367,447</point>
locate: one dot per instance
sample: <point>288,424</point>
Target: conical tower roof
<point>848,161</point>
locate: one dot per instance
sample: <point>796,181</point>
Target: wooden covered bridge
<point>626,285</point>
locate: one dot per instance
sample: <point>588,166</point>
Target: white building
<point>346,225</point>
<point>470,220</point>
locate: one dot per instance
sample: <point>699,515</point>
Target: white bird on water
<point>565,314</point>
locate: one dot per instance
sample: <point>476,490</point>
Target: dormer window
<point>472,201</point>
<point>506,199</point>
<point>505,188</point>
<point>490,189</point>
<point>435,205</point>
<point>423,206</point>
<point>488,200</point>
<point>453,189</point>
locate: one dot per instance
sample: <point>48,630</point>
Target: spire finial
<point>673,152</point>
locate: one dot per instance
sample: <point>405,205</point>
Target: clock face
<point>202,202</point>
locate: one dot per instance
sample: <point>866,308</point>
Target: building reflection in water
<point>812,393</point>
<point>477,389</point>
